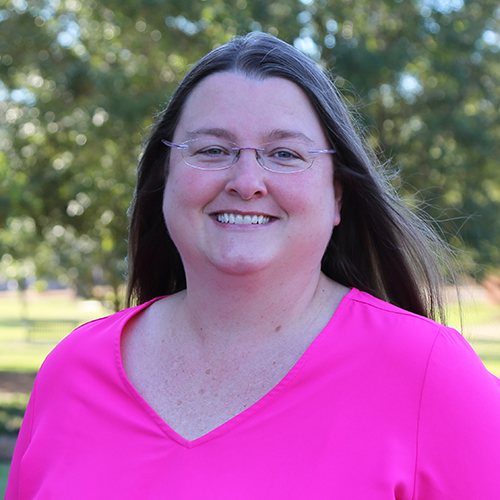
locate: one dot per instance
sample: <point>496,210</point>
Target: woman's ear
<point>337,186</point>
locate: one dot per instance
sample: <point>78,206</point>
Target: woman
<point>256,365</point>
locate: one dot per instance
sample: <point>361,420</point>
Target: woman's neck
<point>233,308</point>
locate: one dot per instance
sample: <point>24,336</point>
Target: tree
<point>81,82</point>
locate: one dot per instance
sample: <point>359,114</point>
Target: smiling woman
<point>300,210</point>
<point>398,262</point>
<point>282,342</point>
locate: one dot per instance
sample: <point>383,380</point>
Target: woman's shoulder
<point>367,311</point>
<point>93,340</point>
<point>394,333</point>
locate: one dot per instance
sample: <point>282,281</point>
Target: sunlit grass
<point>479,321</point>
<point>16,354</point>
<point>471,313</point>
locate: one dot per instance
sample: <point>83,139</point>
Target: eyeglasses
<point>283,157</point>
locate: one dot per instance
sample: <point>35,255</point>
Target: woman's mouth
<point>228,218</point>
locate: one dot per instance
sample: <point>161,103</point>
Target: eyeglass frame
<point>238,151</point>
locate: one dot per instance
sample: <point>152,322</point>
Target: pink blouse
<point>383,405</point>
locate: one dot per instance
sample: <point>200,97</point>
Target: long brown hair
<point>380,246</point>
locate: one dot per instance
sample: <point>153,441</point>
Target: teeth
<point>240,219</point>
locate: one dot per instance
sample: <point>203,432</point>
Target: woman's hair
<point>380,246</point>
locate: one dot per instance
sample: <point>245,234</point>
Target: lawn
<point>472,313</point>
<point>4,472</point>
<point>479,321</point>
<point>16,354</point>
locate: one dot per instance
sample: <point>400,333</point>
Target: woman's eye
<point>213,151</point>
<point>285,154</point>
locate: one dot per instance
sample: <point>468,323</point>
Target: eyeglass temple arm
<point>322,151</point>
<point>173,145</point>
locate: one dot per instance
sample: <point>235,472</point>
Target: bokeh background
<point>81,82</point>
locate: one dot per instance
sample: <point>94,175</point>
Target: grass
<point>472,313</point>
<point>4,474</point>
<point>472,318</point>
<point>16,354</point>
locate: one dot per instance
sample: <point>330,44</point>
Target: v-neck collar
<point>246,414</point>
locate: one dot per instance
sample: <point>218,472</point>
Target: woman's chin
<point>241,266</point>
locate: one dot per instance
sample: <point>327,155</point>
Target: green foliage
<point>81,82</point>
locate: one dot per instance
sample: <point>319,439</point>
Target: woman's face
<point>293,214</point>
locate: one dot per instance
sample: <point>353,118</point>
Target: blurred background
<point>81,82</point>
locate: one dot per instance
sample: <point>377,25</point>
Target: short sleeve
<point>458,443</point>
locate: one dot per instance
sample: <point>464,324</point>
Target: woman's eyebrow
<point>270,136</point>
<point>220,133</point>
<point>277,134</point>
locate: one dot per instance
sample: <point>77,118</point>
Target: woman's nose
<point>247,178</point>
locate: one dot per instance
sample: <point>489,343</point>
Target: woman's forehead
<point>234,103</point>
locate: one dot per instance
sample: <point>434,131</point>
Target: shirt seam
<point>399,312</point>
<point>417,435</point>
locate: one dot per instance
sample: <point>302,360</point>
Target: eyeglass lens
<point>210,154</point>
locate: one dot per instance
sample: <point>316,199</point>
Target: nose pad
<point>258,155</point>
<point>259,158</point>
<point>247,179</point>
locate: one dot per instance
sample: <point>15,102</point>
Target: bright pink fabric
<point>384,404</point>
